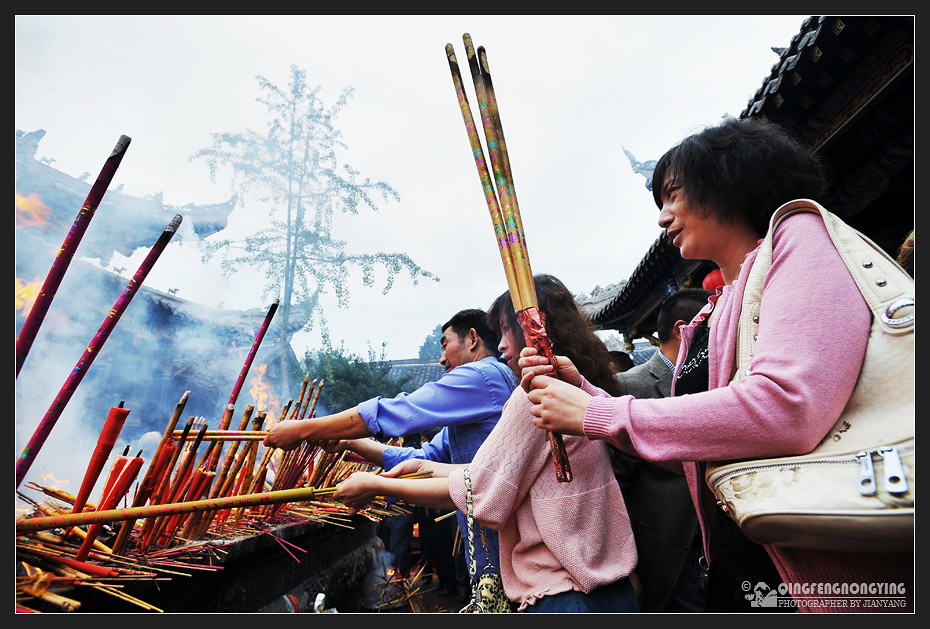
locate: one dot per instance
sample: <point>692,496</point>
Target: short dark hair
<point>682,305</point>
<point>741,170</point>
<point>464,320</point>
<point>621,360</point>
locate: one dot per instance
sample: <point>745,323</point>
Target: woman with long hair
<point>564,547</point>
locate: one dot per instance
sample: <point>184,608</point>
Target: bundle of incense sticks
<point>505,214</point>
<point>302,494</point>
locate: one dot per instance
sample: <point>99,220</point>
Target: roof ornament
<point>643,168</point>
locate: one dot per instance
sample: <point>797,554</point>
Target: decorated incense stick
<point>501,142</point>
<point>25,460</point>
<point>31,525</point>
<point>505,217</point>
<point>512,224</point>
<point>149,481</point>
<point>252,351</point>
<point>487,185</point>
<point>53,280</point>
<point>228,435</point>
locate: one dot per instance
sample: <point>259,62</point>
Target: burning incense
<point>177,488</point>
<point>254,349</point>
<point>105,442</point>
<point>149,481</point>
<point>505,217</point>
<point>25,460</point>
<point>53,280</point>
<point>110,500</point>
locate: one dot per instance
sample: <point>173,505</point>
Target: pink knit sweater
<point>554,537</point>
<point>813,331</point>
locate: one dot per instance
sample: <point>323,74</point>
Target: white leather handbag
<point>855,491</point>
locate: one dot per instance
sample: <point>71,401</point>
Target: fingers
<point>410,466</point>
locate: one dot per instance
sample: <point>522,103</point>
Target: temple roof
<point>844,87</point>
<point>121,223</point>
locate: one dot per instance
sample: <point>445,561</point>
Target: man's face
<point>454,350</point>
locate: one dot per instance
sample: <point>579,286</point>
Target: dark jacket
<point>658,501</point>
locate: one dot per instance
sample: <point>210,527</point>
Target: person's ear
<point>472,339</point>
<point>676,331</point>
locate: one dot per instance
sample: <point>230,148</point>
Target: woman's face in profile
<point>697,233</point>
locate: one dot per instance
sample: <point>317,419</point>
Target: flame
<point>261,391</point>
<point>51,481</point>
<point>30,569</point>
<point>26,294</point>
<point>30,211</point>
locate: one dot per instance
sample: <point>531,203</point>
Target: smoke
<point>160,347</point>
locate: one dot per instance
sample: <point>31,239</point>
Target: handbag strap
<point>885,286</point>
<point>470,519</point>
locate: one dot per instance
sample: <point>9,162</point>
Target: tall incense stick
<point>505,217</point>
<point>248,360</point>
<point>487,185</point>
<point>25,460</point>
<point>36,316</point>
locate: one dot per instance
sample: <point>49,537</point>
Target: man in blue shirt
<point>466,402</point>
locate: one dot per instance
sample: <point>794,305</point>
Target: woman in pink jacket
<point>716,192</point>
<point>564,547</point>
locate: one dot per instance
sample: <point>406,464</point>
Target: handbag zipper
<point>895,481</point>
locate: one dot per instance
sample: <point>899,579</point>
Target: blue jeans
<point>618,597</point>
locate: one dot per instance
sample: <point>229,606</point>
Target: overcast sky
<point>573,92</point>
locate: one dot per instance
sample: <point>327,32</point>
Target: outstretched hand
<point>334,446</point>
<point>408,466</point>
<point>532,364</point>
<point>286,435</point>
<point>558,406</point>
<point>357,490</point>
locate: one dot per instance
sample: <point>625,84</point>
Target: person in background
<point>466,401</point>
<point>620,361</point>
<point>437,539</point>
<point>716,192</point>
<point>565,547</point>
<point>668,539</point>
